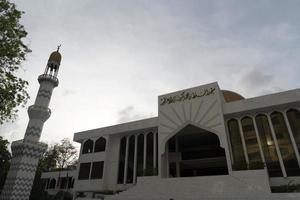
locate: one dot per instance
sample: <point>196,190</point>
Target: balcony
<point>39,112</point>
<point>48,77</point>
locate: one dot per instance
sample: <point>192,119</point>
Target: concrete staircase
<point>240,185</point>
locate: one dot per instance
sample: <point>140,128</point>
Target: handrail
<point>39,108</point>
<point>48,76</point>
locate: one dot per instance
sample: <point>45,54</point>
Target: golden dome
<point>230,96</point>
<point>55,57</point>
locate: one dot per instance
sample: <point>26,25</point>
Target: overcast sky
<point>118,56</point>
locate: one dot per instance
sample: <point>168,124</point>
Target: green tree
<point>66,154</point>
<point>12,52</point>
<point>58,157</point>
<point>5,157</point>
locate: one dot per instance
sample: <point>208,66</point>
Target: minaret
<point>27,152</point>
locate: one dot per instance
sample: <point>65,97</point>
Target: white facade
<point>205,142</point>
<point>56,181</point>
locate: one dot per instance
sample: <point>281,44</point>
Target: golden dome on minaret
<point>55,56</point>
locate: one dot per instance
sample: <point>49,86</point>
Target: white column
<point>126,160</point>
<point>135,158</point>
<point>276,146</point>
<point>145,152</point>
<point>154,150</point>
<point>292,137</point>
<point>229,143</point>
<point>258,140</point>
<point>243,141</point>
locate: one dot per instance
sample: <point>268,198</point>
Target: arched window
<point>268,146</point>
<point>88,146</point>
<point>250,139</point>
<point>294,120</point>
<point>130,165</point>
<point>236,145</point>
<point>122,160</point>
<point>100,144</point>
<point>140,155</point>
<point>149,157</point>
<point>285,144</point>
<point>52,184</point>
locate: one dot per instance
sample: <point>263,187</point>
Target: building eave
<point>262,102</point>
<point>116,129</point>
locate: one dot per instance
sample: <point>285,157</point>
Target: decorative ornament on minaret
<point>27,152</point>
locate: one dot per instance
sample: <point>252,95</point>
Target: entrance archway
<point>195,152</point>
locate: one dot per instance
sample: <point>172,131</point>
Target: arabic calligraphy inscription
<point>186,96</point>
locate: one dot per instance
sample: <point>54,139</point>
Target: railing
<point>35,107</point>
<point>48,76</point>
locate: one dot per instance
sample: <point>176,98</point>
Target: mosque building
<point>205,143</point>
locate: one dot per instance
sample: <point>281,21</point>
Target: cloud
<point>125,54</point>
<point>255,78</point>
<point>129,113</point>
<point>255,82</point>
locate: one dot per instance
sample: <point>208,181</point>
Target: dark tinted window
<point>294,120</point>
<point>149,157</point>
<point>88,146</point>
<point>122,160</point>
<point>140,155</point>
<point>130,165</point>
<point>84,171</point>
<point>97,170</point>
<point>100,144</point>
<point>250,139</point>
<point>236,143</point>
<point>268,146</point>
<point>172,144</point>
<point>285,144</point>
